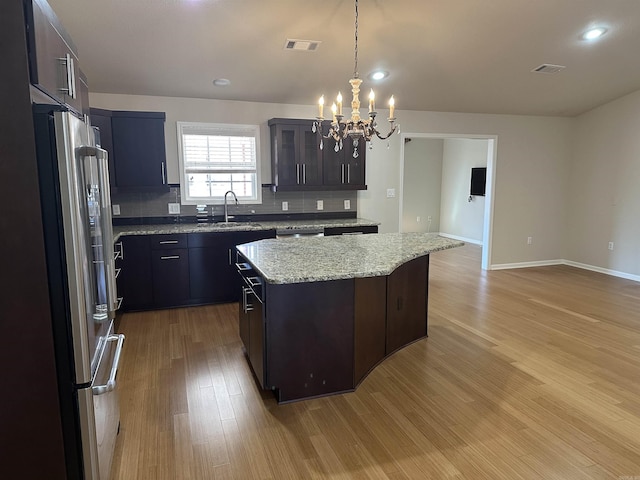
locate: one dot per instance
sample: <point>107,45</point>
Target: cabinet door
<point>407,303</point>
<point>284,156</point>
<point>210,276</point>
<point>139,149</point>
<point>102,120</point>
<point>243,319</point>
<point>134,280</point>
<point>341,169</point>
<point>170,269</point>
<point>53,64</point>
<point>256,336</point>
<point>310,157</point>
<point>355,174</point>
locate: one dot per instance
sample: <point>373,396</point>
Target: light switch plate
<point>174,208</point>
<point>347,204</point>
<point>115,209</point>
<point>285,206</point>
<point>391,192</point>
<point>320,205</point>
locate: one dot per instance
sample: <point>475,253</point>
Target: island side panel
<point>309,341</point>
<point>407,297</point>
<point>370,324</point>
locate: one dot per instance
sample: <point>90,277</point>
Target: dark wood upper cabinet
<point>53,61</point>
<point>298,162</point>
<point>296,158</point>
<point>344,169</point>
<point>102,120</point>
<point>139,149</point>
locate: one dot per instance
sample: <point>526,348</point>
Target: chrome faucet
<point>226,215</point>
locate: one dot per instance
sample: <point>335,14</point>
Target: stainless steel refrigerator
<point>76,204</point>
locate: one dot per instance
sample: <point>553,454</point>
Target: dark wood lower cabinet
<point>134,280</point>
<point>370,324</point>
<point>323,338</point>
<point>170,274</point>
<point>160,271</point>
<point>309,338</point>
<point>407,304</point>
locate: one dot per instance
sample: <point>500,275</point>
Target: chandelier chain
<point>355,67</point>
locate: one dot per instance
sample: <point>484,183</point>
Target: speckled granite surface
<point>240,226</point>
<point>316,259</point>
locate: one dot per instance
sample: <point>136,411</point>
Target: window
<point>216,158</point>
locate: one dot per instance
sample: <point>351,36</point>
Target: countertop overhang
<point>317,259</point>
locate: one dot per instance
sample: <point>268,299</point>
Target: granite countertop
<point>237,226</point>
<point>316,259</point>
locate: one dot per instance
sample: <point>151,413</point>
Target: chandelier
<point>356,127</point>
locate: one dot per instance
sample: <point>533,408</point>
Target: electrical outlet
<point>115,209</point>
<point>285,206</point>
<point>347,204</point>
<point>529,240</point>
<point>429,218</point>
<point>174,208</point>
<point>610,245</point>
<point>319,205</point>
<point>391,192</point>
<point>418,219</point>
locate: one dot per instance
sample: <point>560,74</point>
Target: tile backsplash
<point>155,204</point>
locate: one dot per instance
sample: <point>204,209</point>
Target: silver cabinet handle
<point>119,303</point>
<point>168,242</point>
<point>342,171</point>
<point>118,270</point>
<point>111,383</point>
<point>230,263</point>
<point>170,257</point>
<point>243,266</point>
<point>348,173</point>
<point>70,88</point>
<point>254,281</point>
<point>304,173</point>
<point>245,303</point>
<point>298,173</point>
<point>164,178</point>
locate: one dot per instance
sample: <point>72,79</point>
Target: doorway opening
<point>435,174</point>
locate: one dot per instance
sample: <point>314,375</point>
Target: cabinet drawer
<point>160,242</point>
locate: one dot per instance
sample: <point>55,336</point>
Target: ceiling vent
<point>548,68</point>
<point>301,45</point>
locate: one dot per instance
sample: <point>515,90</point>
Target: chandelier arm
<point>387,135</point>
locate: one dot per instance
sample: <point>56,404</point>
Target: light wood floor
<point>526,374</point>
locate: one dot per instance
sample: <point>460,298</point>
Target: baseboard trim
<point>606,271</point>
<point>462,239</point>
<point>542,263</point>
<point>584,266</point>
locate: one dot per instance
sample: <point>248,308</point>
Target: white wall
<point>531,168</point>
<point>460,217</point>
<point>604,187</point>
<point>421,186</point>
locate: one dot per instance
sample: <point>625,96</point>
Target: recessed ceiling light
<point>594,33</point>
<point>222,82</point>
<point>378,75</point>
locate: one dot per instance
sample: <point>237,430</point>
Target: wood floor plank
<point>526,374</point>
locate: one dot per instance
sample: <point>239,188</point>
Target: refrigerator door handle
<point>111,383</point>
<point>105,202</point>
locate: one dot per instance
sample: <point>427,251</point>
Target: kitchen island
<point>318,314</point>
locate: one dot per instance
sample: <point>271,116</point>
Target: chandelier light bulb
<point>321,106</point>
<point>392,106</point>
<point>372,97</point>
<point>339,99</point>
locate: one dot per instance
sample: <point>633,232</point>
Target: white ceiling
<point>442,55</point>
